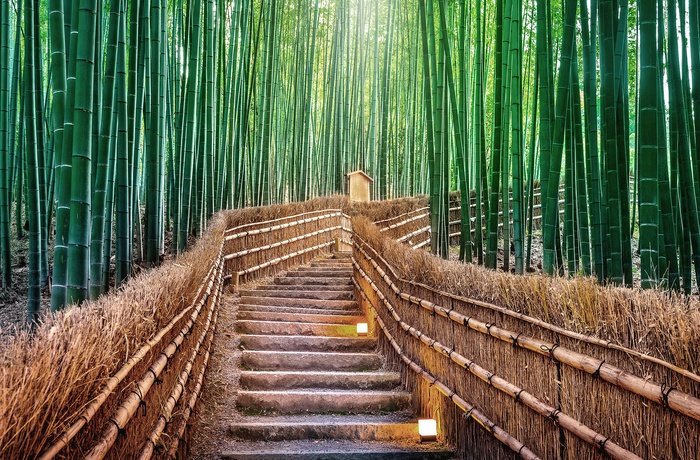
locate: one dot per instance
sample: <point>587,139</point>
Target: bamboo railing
<point>561,394</point>
<point>283,242</point>
<point>413,227</point>
<point>144,408</point>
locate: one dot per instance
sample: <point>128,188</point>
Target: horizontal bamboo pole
<point>89,412</point>
<point>179,387</point>
<point>412,234</point>
<point>283,258</point>
<point>521,396</point>
<point>279,219</point>
<point>499,433</point>
<point>421,244</point>
<point>400,216</point>
<point>404,222</point>
<point>281,226</point>
<point>529,319</point>
<point>246,252</point>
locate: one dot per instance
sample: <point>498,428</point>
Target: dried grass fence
<point>120,377</point>
<point>502,381</point>
<point>413,226</point>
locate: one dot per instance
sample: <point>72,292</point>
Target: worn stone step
<point>325,294</point>
<point>314,280</point>
<point>342,255</point>
<point>290,328</point>
<point>307,343</point>
<point>310,311</point>
<point>320,273</point>
<point>308,401</point>
<point>302,317</point>
<point>302,287</point>
<point>279,380</point>
<point>298,302</point>
<point>336,450</point>
<point>331,263</point>
<point>327,268</point>
<point>346,427</point>
<point>265,360</point>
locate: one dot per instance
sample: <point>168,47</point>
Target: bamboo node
<point>601,444</point>
<point>665,391</point>
<point>515,339</point>
<point>489,378</point>
<point>466,321</point>
<point>550,350</point>
<point>488,328</point>
<point>554,416</point>
<point>468,414</point>
<point>519,453</point>
<point>142,405</point>
<point>517,395</point>
<point>596,374</point>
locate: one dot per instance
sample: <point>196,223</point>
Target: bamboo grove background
<point>124,121</point>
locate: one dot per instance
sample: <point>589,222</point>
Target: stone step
<point>314,280</point>
<point>331,263</point>
<point>336,450</point>
<point>342,255</point>
<point>271,380</point>
<point>321,401</point>
<point>321,273</point>
<point>346,427</point>
<point>327,268</point>
<point>310,311</point>
<point>302,317</point>
<point>289,328</point>
<point>325,294</point>
<point>307,343</point>
<point>265,360</point>
<point>303,287</point>
<point>292,302</point>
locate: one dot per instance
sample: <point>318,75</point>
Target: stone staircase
<point>310,388</point>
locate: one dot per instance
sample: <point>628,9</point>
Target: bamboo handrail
<point>412,234</point>
<point>190,405</point>
<point>283,258</point>
<point>404,222</point>
<point>663,394</point>
<point>127,409</point>
<point>167,411</point>
<point>246,252</point>
<point>520,395</point>
<point>226,232</point>
<point>281,226</point>
<point>529,319</point>
<point>499,433</point>
<point>89,412</point>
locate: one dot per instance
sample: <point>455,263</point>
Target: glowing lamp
<point>362,328</point>
<point>427,429</point>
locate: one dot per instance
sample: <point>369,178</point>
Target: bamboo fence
<point>560,393</point>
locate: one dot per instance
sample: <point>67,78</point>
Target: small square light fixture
<point>427,429</point>
<point>362,328</point>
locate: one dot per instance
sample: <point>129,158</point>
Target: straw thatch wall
<point>625,402</point>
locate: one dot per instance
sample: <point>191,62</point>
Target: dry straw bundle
<point>532,334</point>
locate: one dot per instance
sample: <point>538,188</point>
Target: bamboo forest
<point>125,125</point>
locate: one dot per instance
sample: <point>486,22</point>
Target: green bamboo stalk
<point>31,167</point>
<point>77,282</point>
<point>5,262</point>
